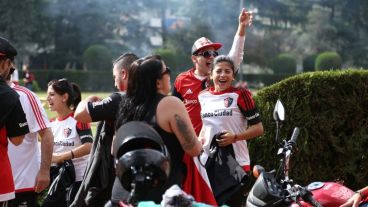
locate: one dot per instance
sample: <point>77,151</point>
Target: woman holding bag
<point>232,112</point>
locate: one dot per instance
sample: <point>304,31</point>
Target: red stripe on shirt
<point>35,108</point>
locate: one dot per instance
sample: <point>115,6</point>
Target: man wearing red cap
<point>189,84</point>
<point>13,124</point>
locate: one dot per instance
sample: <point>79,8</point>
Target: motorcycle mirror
<point>279,111</point>
<point>257,170</point>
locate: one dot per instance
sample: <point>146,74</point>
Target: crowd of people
<point>204,108</point>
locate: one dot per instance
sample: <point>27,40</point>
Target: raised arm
<point>237,49</point>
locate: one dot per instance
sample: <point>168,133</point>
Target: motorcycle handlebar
<point>294,136</point>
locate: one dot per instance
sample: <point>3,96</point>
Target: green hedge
<point>284,63</point>
<point>97,57</point>
<point>87,80</point>
<point>328,61</point>
<point>309,63</point>
<point>331,108</point>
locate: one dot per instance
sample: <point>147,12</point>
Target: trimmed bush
<point>331,109</point>
<point>309,63</point>
<point>97,57</point>
<point>284,64</point>
<point>87,80</point>
<point>328,61</point>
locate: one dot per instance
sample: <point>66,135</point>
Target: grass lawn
<point>51,114</point>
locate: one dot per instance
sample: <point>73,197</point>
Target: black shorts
<point>24,199</point>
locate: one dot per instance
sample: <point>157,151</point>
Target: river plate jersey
<point>69,134</point>
<point>26,157</point>
<point>232,110</point>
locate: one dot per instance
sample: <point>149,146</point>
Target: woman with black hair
<point>147,100</point>
<point>72,139</point>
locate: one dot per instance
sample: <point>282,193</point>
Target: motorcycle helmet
<point>142,160</point>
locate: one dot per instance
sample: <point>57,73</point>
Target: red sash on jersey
<point>7,184</point>
<point>195,185</point>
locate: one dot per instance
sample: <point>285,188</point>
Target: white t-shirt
<point>69,134</point>
<point>230,110</point>
<point>25,159</point>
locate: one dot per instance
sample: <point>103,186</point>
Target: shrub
<point>284,64</point>
<point>97,57</point>
<point>331,109</point>
<point>309,63</point>
<point>328,61</point>
<point>91,80</point>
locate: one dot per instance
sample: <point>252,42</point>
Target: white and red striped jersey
<point>230,110</point>
<point>69,134</point>
<point>25,159</point>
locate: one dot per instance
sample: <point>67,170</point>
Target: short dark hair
<point>125,60</point>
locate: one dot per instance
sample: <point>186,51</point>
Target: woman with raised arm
<point>232,112</point>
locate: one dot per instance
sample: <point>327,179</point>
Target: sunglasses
<point>208,54</point>
<point>166,71</point>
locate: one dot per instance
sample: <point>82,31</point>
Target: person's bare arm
<point>253,131</point>
<point>43,176</point>
<point>81,113</point>
<point>79,151</point>
<point>173,111</point>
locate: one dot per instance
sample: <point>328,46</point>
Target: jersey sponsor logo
<point>228,101</point>
<point>64,143</point>
<point>98,103</point>
<point>21,125</point>
<point>225,112</point>
<point>86,136</point>
<point>189,91</point>
<point>188,101</point>
<point>252,117</point>
<point>67,132</point>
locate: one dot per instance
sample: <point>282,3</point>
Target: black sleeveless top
<point>177,167</point>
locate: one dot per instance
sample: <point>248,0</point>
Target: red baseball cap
<point>204,42</point>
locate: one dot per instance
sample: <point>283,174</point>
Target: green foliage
<point>36,87</point>
<point>176,61</point>
<point>97,57</point>
<point>331,109</point>
<point>284,64</point>
<point>328,61</point>
<point>91,80</point>
<point>309,63</point>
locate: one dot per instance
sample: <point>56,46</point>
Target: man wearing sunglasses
<point>189,84</point>
<point>13,123</point>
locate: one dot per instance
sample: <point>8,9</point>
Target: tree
<point>25,24</point>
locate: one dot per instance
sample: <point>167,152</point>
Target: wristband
<point>71,151</point>
<point>236,138</point>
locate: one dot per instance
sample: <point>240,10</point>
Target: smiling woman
<point>72,139</point>
<point>232,112</point>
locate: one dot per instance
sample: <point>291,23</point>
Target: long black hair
<point>141,91</point>
<point>63,86</point>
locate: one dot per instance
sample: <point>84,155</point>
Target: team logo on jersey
<point>67,132</point>
<point>228,101</point>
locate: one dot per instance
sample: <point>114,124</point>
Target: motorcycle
<point>276,188</point>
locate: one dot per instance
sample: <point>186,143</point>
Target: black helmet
<point>141,156</point>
